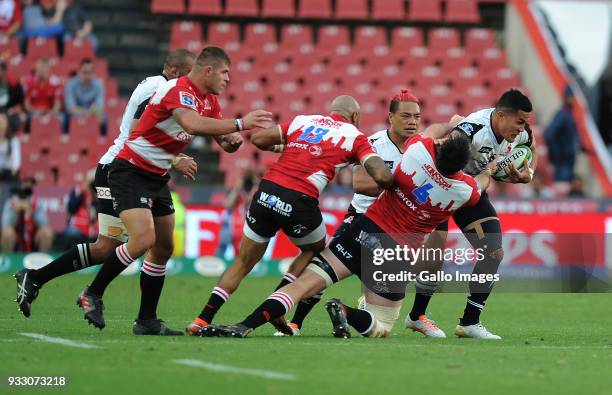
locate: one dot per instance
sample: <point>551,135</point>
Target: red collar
<point>338,118</point>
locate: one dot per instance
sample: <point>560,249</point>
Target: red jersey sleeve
<point>179,98</point>
<point>362,149</point>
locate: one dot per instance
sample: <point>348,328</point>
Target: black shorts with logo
<point>350,217</point>
<point>105,201</point>
<point>467,215</point>
<point>132,187</point>
<point>355,249</point>
<point>275,207</point>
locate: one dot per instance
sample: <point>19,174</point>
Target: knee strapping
<point>321,267</point>
<point>384,319</point>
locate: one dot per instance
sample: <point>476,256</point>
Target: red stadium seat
<point>331,37</point>
<point>44,129</point>
<point>278,8</point>
<point>388,9</point>
<point>424,10</point>
<point>296,35</point>
<point>404,38</point>
<point>77,50</point>
<point>317,9</point>
<point>491,60</point>
<point>257,35</point>
<point>204,7</point>
<point>168,7</point>
<point>223,33</point>
<point>462,11</point>
<point>454,59</point>
<point>111,88</point>
<point>351,9</point>
<point>101,68</point>
<point>183,32</point>
<point>9,47</point>
<point>241,8</point>
<point>440,39</point>
<point>370,37</point>
<point>83,128</point>
<point>39,47</point>
<point>479,39</point>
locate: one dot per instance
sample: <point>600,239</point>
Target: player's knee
<point>138,245</point>
<point>497,255</point>
<point>102,248</point>
<point>162,251</point>
<point>384,319</point>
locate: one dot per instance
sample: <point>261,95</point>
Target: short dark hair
<point>453,154</point>
<point>213,56</point>
<point>514,100</point>
<point>403,95</point>
<point>85,61</point>
<point>178,57</point>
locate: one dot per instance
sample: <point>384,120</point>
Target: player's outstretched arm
<point>379,171</point>
<point>439,130</point>
<point>363,183</point>
<point>269,139</point>
<point>194,123</point>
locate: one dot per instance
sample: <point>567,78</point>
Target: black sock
<point>74,259</point>
<point>288,278</point>
<point>152,279</point>
<point>278,304</point>
<point>473,308</point>
<point>361,320</point>
<point>419,306</point>
<point>303,309</point>
<point>114,265</point>
<point>217,298</point>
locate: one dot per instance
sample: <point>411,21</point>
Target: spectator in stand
<point>25,226</point>
<point>84,93</point>
<point>562,139</point>
<point>43,92</point>
<point>11,98</point>
<point>10,18</point>
<point>77,25</point>
<point>82,212</point>
<point>10,159</point>
<point>43,19</point>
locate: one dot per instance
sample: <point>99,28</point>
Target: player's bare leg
<point>484,234</point>
<point>152,276</point>
<point>249,254</point>
<point>140,226</point>
<point>417,319</point>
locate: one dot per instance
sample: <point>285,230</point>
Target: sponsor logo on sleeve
<point>187,99</point>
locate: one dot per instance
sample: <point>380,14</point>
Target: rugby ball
<point>519,156</point>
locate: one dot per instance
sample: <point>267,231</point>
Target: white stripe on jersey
<point>143,92</point>
<point>388,152</point>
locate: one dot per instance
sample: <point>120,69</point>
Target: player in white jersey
<point>112,232</point>
<point>493,132</point>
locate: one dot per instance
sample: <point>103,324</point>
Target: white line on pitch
<point>216,367</point>
<point>58,340</point>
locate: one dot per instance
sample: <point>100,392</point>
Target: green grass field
<point>552,344</point>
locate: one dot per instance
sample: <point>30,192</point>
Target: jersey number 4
<point>422,193</point>
<point>313,135</point>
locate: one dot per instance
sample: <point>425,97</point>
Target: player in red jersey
<point>429,187</point>
<point>315,148</point>
<point>138,176</point>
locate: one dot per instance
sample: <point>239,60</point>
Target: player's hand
<point>186,166</point>
<point>257,119</point>
<point>233,140</point>
<point>520,177</point>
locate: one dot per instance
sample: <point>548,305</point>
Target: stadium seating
<point>278,9</point>
<point>351,9</point>
<point>388,10</point>
<point>462,11</point>
<point>241,8</point>
<point>425,10</point>
<point>205,7</point>
<point>167,6</point>
<point>315,9</point>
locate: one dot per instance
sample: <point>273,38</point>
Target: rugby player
<point>429,187</point>
<point>138,176</point>
<point>404,121</point>
<point>493,133</point>
<point>315,148</point>
<point>112,232</point>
